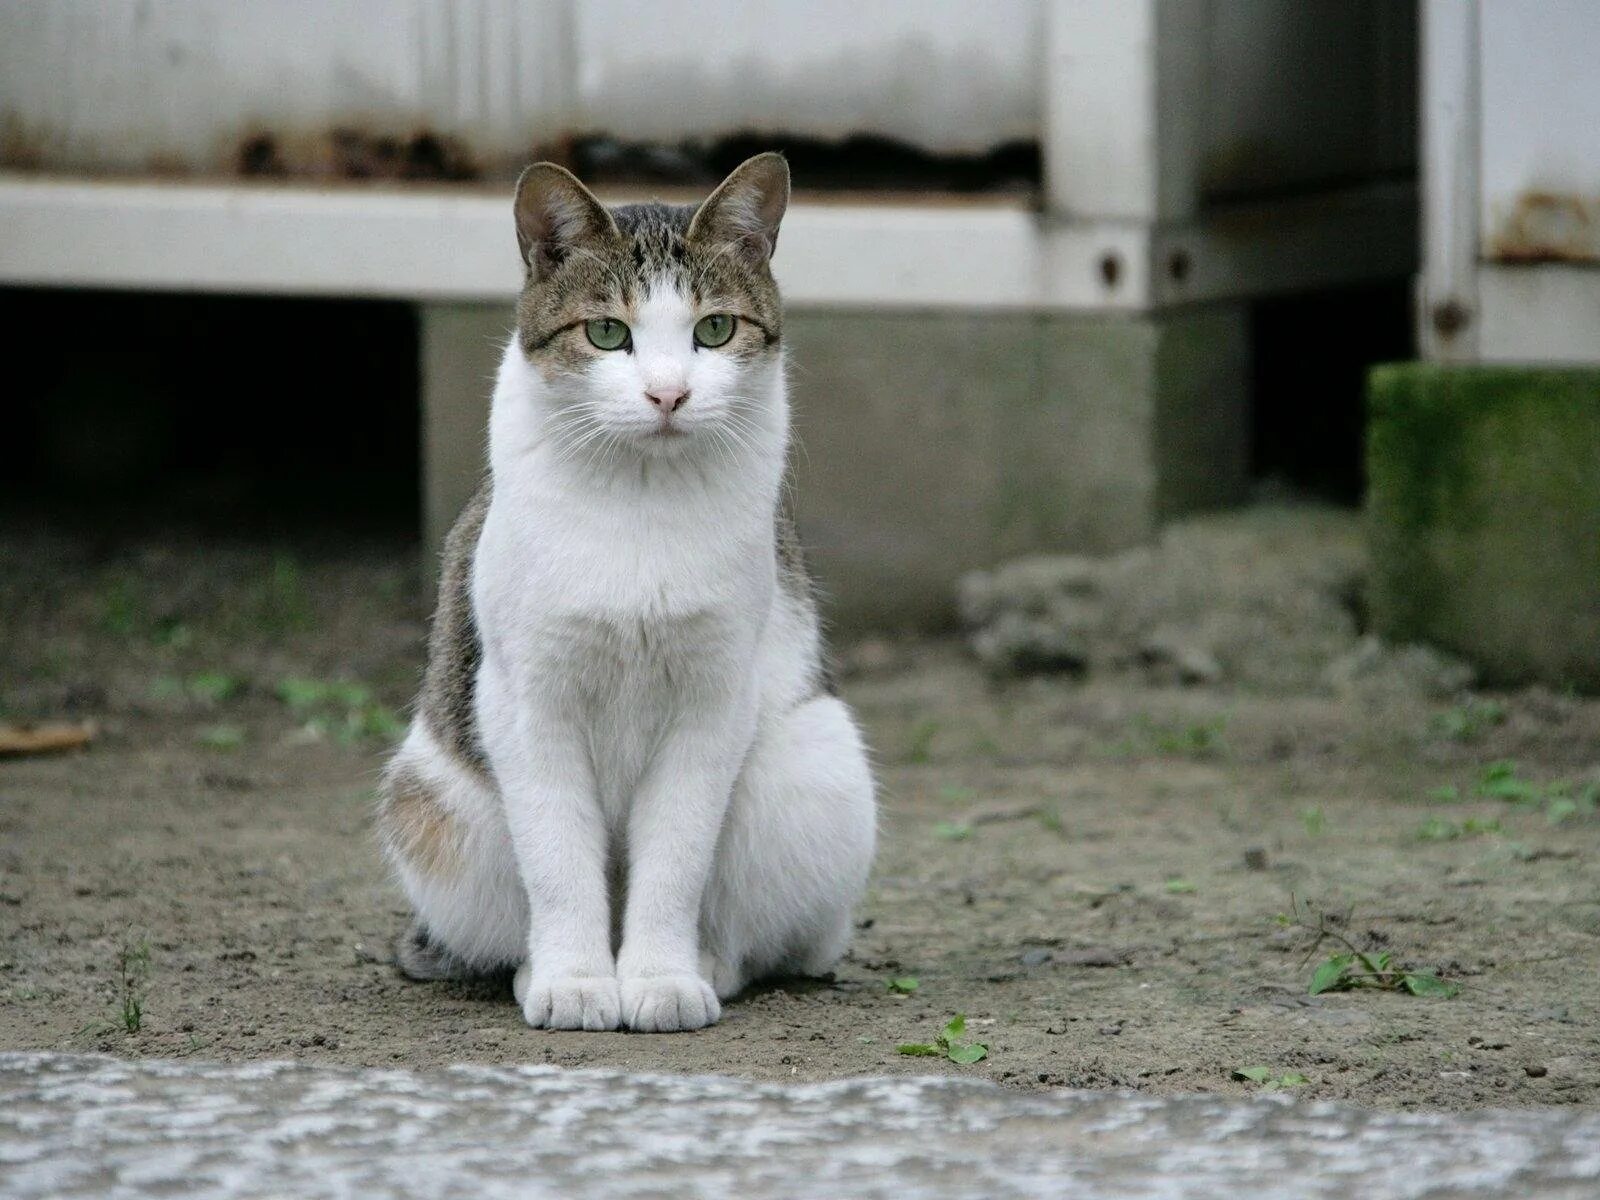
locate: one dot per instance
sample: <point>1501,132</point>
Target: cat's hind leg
<point>444,834</point>
<point>794,853</point>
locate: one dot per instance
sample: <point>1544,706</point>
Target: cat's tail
<point>417,956</point>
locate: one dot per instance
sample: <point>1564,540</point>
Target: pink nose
<point>667,399</point>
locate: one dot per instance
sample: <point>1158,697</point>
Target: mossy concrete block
<point>1484,516</point>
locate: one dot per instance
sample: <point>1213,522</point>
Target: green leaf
<point>918,1049</point>
<point>952,831</point>
<point>221,737</point>
<point>1437,829</point>
<point>1179,887</point>
<point>1376,963</point>
<point>961,1052</point>
<point>1504,769</point>
<point>1560,809</point>
<point>214,686</point>
<point>1292,1079</point>
<point>904,985</point>
<point>1254,1074</point>
<point>1422,984</point>
<point>957,1026</point>
<point>1330,974</point>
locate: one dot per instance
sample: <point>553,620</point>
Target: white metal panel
<point>1447,300</point>
<point>1536,314</point>
<point>456,244</point>
<point>177,85</point>
<point>1101,128</point>
<point>1540,141</point>
<point>946,74</point>
<point>1511,113</point>
<point>421,243</point>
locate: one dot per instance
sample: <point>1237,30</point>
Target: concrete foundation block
<point>461,346</point>
<point>932,444</point>
<point>1484,516</point>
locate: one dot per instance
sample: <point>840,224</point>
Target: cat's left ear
<point>746,209</point>
<point>555,214</point>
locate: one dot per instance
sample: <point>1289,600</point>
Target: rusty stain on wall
<point>1548,227</point>
<point>346,152</point>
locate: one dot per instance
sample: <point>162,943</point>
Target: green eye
<point>606,333</point>
<point>714,330</point>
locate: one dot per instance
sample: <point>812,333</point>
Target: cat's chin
<point>663,440</point>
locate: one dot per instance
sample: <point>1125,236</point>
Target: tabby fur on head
<point>658,270</point>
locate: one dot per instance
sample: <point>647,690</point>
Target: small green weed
<point>207,687</point>
<point>904,985</point>
<point>1354,968</point>
<point>1268,1081</point>
<point>172,632</point>
<point>133,971</point>
<point>339,709</point>
<point>1180,887</point>
<point>949,1045</point>
<point>221,737</point>
<point>1500,781</point>
<point>952,831</point>
<point>214,686</point>
<point>1198,739</point>
<point>283,602</point>
<point>1560,800</point>
<point>919,746</point>
<point>1315,822</point>
<point>1468,722</point>
<point>122,608</point>
<point>1438,829</point>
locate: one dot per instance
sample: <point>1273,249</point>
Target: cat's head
<point>653,327</point>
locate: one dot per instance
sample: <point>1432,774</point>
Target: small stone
<point>1036,957</point>
<point>1167,656</point>
<point>1255,858</point>
<point>1536,1071</point>
<point>1094,958</point>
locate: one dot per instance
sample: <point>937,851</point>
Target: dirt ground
<point>1092,871</point>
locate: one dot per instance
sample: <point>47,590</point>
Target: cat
<point>629,775</point>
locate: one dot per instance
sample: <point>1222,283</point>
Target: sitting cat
<point>628,774</point>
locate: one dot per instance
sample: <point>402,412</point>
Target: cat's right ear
<point>555,214</point>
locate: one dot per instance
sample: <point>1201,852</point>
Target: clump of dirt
<point>1090,871</point>
<point>1269,598</point>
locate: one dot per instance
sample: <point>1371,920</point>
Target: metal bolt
<point>1450,317</point>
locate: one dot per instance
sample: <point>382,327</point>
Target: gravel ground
<point>1091,869</point>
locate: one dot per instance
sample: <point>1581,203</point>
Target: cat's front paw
<point>587,1002</point>
<point>668,1003</point>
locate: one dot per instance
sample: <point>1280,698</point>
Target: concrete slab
<point>75,1126</point>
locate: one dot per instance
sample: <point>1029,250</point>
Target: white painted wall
<point>1540,126</point>
<point>1511,182</point>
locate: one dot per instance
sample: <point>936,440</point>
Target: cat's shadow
<point>494,987</point>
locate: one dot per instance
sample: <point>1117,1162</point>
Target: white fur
<point>647,690</point>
